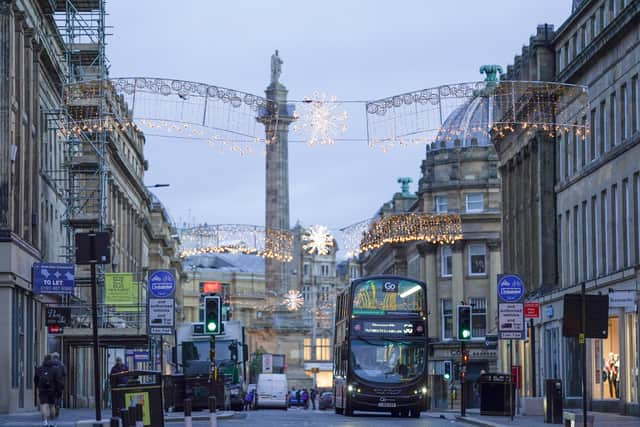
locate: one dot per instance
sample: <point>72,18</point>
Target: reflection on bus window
<point>387,361</point>
<point>380,296</point>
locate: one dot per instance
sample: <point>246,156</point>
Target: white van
<point>272,391</point>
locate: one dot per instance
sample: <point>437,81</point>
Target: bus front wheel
<point>415,413</point>
<point>338,410</point>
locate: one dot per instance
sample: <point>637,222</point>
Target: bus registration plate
<point>387,404</point>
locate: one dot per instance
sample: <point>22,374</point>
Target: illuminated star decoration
<point>317,238</point>
<point>322,118</point>
<point>293,300</point>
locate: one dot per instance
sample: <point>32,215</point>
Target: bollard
<point>187,413</point>
<point>139,417</point>
<point>132,416</point>
<point>115,422</point>
<point>213,419</point>
<point>124,416</point>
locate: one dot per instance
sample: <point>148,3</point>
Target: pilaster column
<point>6,41</point>
<point>428,253</point>
<point>457,278</point>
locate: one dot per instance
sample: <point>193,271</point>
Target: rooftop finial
<point>276,68</point>
<point>404,183</point>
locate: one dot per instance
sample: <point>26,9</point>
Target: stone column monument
<point>276,120</point>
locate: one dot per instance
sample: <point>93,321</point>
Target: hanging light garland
<point>236,239</point>
<point>412,227</point>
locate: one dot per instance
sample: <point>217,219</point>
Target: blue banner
<point>53,278</point>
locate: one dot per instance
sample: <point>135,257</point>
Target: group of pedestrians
<point>304,397</point>
<point>49,381</point>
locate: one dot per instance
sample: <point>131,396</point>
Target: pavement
<point>601,419</point>
<point>69,417</point>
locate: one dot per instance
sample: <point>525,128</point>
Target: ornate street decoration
<point>224,118</point>
<point>293,300</point>
<point>499,107</point>
<point>317,239</point>
<point>402,228</point>
<point>236,238</point>
<point>321,119</point>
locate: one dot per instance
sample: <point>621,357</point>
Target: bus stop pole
<point>96,342</point>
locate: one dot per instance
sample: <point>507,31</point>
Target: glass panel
<point>388,296</point>
<point>573,371</point>
<point>631,379</point>
<point>475,202</point>
<point>387,361</point>
<point>611,360</point>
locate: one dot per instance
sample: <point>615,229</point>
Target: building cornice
<point>629,15</point>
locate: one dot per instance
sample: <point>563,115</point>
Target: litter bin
<point>553,401</point>
<point>145,387</point>
<point>495,395</point>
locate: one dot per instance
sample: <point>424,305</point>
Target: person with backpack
<point>62,375</point>
<point>47,382</point>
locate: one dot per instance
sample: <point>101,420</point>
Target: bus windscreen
<point>388,297</point>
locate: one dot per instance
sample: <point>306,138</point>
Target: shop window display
<point>607,379</point>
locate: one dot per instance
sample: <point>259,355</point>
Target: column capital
<point>425,248</point>
<point>458,246</point>
<point>6,6</point>
<point>494,244</point>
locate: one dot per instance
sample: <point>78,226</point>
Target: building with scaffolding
<point>74,162</point>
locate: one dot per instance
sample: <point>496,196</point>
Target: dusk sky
<point>354,50</point>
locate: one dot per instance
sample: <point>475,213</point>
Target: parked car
<point>326,400</point>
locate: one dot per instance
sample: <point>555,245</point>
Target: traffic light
<point>447,370</point>
<point>212,315</point>
<point>464,322</point>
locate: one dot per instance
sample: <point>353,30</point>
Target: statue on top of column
<point>276,68</point>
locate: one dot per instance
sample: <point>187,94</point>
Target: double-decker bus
<point>380,350</point>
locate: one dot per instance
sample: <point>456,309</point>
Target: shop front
<point>614,360</point>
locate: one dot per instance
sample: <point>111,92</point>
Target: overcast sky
<point>353,49</point>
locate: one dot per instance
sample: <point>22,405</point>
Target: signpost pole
<point>96,343</point>
<point>583,347</point>
<point>511,408</point>
<point>532,334</point>
<point>463,374</point>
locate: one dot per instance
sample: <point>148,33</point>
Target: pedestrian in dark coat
<point>47,381</point>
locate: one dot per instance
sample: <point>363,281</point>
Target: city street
<point>302,418</point>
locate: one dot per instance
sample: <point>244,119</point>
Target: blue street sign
<point>53,278</point>
<point>510,288</point>
<point>162,283</point>
<point>141,356</point>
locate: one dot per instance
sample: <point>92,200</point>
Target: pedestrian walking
<point>248,400</point>
<point>305,398</point>
<point>118,368</point>
<point>313,395</point>
<point>47,382</point>
<point>62,376</point>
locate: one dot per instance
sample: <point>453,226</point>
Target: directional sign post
<point>510,307</point>
<point>510,314</point>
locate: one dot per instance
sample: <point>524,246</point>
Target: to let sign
<point>531,310</point>
<point>53,278</point>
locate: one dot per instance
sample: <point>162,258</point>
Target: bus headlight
<point>350,387</point>
<point>424,390</point>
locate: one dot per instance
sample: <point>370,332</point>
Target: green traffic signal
<point>447,377</point>
<point>464,322</point>
<point>212,314</point>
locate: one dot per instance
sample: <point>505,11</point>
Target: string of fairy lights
<point>227,118</point>
<point>233,120</point>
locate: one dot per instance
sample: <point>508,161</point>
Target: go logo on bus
<point>390,287</point>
